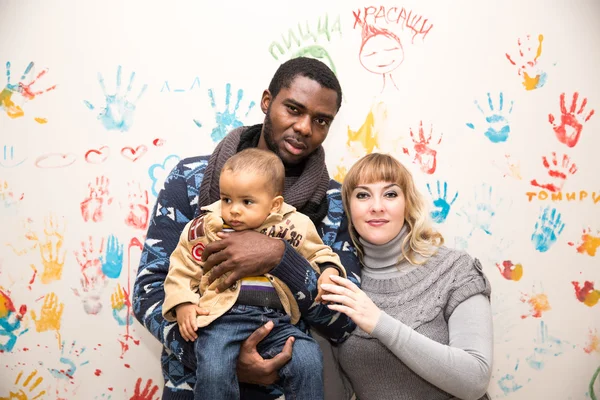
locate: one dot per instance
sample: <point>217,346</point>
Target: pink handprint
<point>527,61</point>
<point>92,207</point>
<point>424,154</point>
<point>93,280</point>
<point>558,171</point>
<point>137,216</point>
<point>571,122</point>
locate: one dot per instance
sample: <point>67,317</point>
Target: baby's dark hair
<point>259,162</point>
<point>310,68</point>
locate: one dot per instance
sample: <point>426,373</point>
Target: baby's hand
<point>325,278</point>
<point>186,319</point>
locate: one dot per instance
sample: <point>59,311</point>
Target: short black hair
<point>310,68</point>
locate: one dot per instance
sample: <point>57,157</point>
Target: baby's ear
<point>277,203</point>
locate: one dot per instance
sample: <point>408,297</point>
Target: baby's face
<point>246,199</point>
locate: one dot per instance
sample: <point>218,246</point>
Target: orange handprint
<point>424,154</point>
<point>28,386</point>
<point>571,122</point>
<point>50,315</point>
<point>51,251</point>
<point>137,216</point>
<point>589,243</point>
<point>557,171</point>
<point>92,207</point>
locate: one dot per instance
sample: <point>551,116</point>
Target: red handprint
<point>91,208</point>
<point>424,154</point>
<point>557,171</point>
<point>147,394</point>
<point>571,123</point>
<point>137,216</point>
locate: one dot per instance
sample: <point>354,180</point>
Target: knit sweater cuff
<point>391,332</point>
<point>292,269</point>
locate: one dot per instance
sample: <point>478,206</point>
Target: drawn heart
<point>97,156</point>
<point>134,154</point>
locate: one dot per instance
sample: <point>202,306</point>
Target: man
<point>300,104</point>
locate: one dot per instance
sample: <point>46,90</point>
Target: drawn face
<point>381,54</point>
<point>246,199</point>
<point>297,120</point>
<point>377,211</point>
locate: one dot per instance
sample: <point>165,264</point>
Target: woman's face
<point>377,211</point>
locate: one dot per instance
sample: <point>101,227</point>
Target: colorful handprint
<point>526,61</point>
<point>11,105</point>
<point>138,212</point>
<point>121,306</point>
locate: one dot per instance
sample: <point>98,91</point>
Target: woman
<point>423,314</point>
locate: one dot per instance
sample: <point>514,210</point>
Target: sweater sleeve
<point>461,368</point>
<point>170,214</point>
<point>301,278</point>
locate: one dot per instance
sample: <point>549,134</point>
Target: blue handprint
<point>547,229</point>
<point>226,119</point>
<point>113,262</point>
<point>8,159</point>
<point>67,359</point>
<point>443,207</point>
<point>498,128</point>
<point>481,210</point>
<point>546,345</point>
<point>117,114</point>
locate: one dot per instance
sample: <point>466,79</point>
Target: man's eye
<point>322,122</point>
<point>293,109</point>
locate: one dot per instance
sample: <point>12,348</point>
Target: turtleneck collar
<point>386,258</point>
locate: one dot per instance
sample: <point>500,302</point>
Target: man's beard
<point>268,133</point>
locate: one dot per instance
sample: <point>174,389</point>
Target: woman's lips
<point>377,222</point>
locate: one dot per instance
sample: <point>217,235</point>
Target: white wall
<point>180,51</point>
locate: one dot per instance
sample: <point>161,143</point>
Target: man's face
<point>297,120</point>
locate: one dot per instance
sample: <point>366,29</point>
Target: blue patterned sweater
<point>177,204</point>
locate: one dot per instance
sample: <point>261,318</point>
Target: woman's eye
<point>391,194</point>
<point>362,195</point>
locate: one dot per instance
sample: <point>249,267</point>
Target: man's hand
<point>325,278</point>
<point>186,319</point>
<point>246,253</point>
<point>252,368</point>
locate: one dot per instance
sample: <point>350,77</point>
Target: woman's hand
<point>353,302</point>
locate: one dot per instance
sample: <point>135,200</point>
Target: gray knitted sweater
<point>433,339</point>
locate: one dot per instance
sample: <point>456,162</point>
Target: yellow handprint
<point>50,315</point>
<point>121,306</point>
<point>29,384</point>
<point>51,251</point>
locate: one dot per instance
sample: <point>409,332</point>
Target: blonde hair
<point>421,239</point>
<point>259,162</point>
